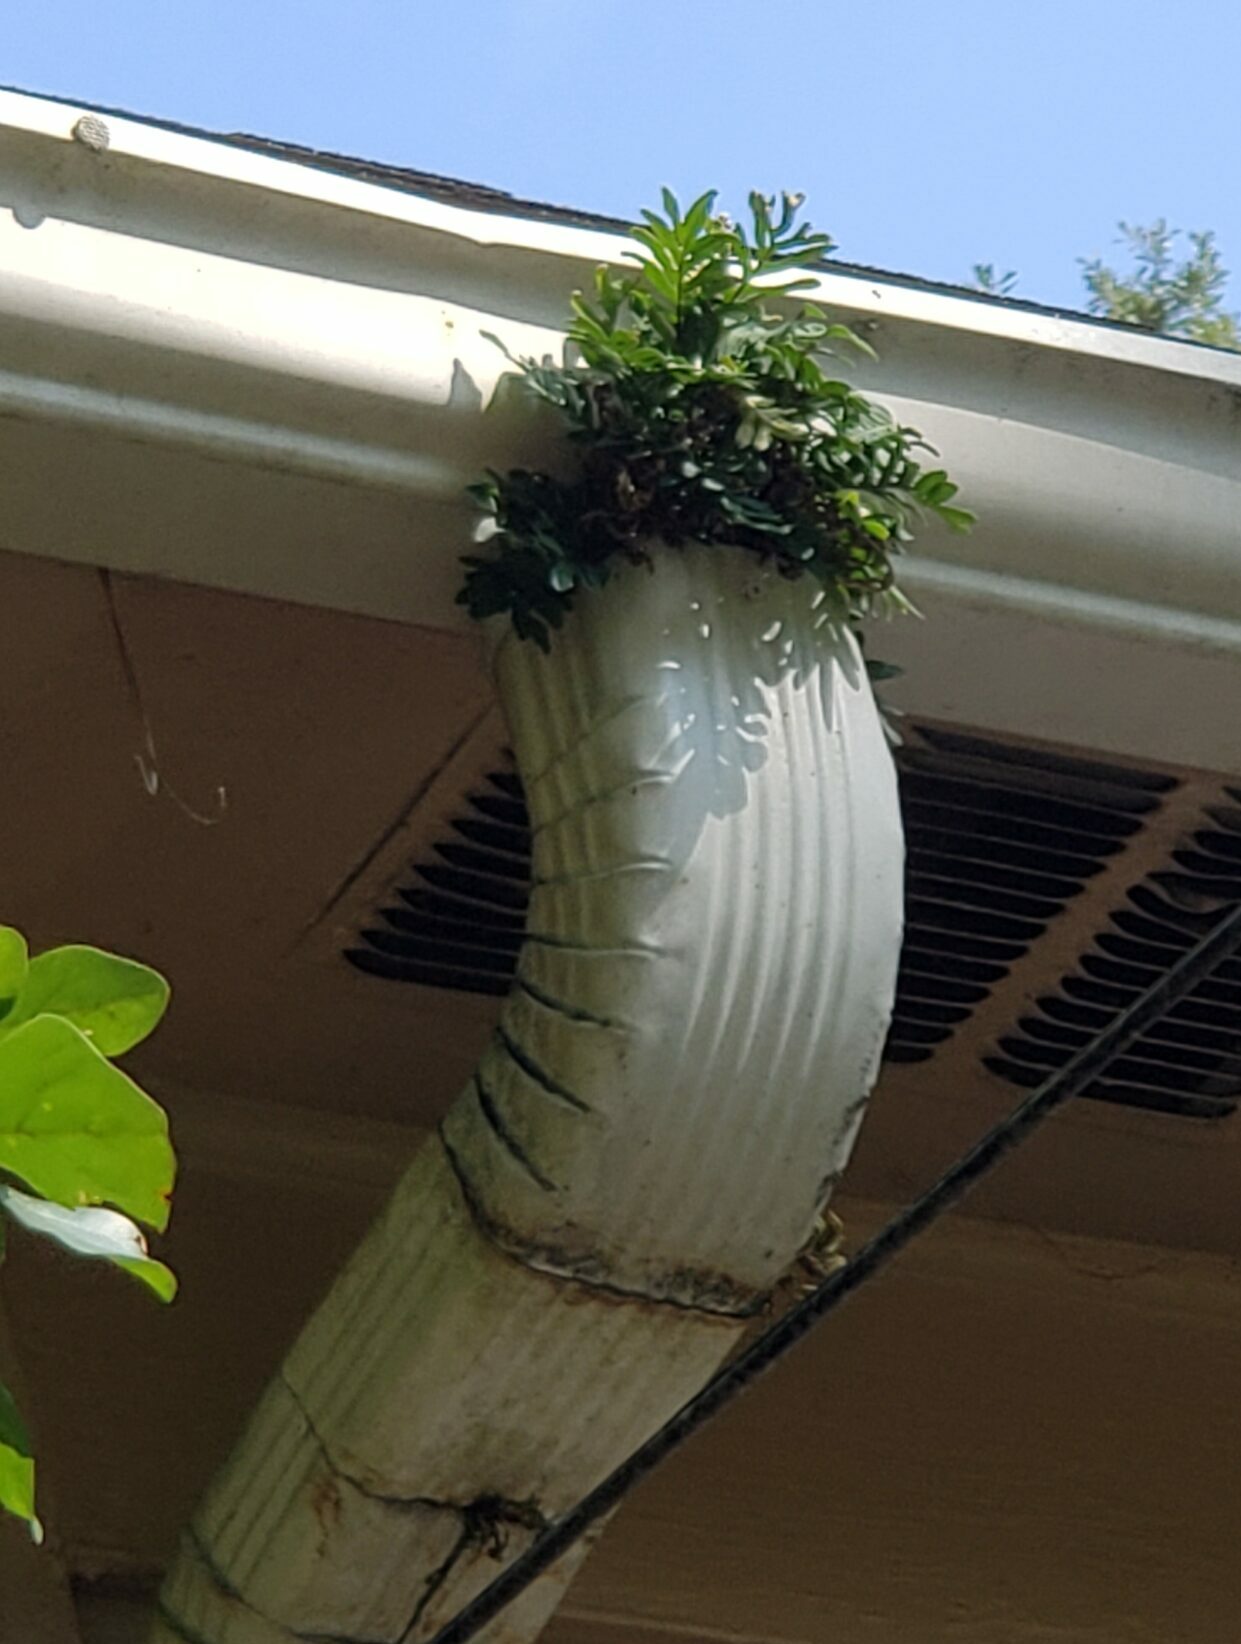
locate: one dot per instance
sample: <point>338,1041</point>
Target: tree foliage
<point>1177,299</point>
<point>700,407</point>
<point>988,278</point>
<point>1158,293</point>
<point>84,1153</point>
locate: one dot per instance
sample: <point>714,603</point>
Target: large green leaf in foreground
<point>104,1234</point>
<point>13,967</point>
<point>115,1002</point>
<point>76,1129</point>
<point>16,1465</point>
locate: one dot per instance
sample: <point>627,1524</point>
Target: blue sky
<point>926,136</point>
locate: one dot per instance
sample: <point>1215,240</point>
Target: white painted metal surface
<point>673,1091</point>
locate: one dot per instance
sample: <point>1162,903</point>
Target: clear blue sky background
<point>927,135</point>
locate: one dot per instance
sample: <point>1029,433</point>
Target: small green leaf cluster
<point>84,1152</point>
<point>1176,299</point>
<point>1158,294</point>
<point>701,407</point>
<point>988,278</point>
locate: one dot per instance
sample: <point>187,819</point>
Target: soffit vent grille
<point>1000,840</point>
<point>1045,891</point>
<point>459,923</point>
<point>1189,1064</point>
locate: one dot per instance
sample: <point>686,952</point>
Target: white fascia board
<point>303,354</point>
<point>859,292</point>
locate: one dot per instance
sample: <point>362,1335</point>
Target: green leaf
<point>879,671</point>
<point>155,1275</point>
<point>957,519</point>
<point>697,215</point>
<point>846,334</point>
<point>76,1129</point>
<point>115,1002</point>
<point>13,966</point>
<point>16,1466</point>
<point>103,1234</point>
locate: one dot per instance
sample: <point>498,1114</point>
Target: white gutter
<point>301,353</point>
<point>220,160</point>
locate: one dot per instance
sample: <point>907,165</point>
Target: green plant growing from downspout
<point>84,1153</point>
<point>702,412</point>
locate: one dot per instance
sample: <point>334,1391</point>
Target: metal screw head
<point>92,133</point>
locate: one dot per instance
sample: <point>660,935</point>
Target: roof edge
<point>490,217</point>
<point>224,368</point>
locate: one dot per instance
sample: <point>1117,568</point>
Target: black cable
<point>766,1349</point>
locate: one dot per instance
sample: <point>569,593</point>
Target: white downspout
<point>674,1088</point>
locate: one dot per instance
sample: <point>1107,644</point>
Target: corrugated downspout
<point>673,1090</point>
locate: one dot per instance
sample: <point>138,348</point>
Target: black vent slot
<point>1189,1063</point>
<point>459,923</point>
<point>1000,840</point>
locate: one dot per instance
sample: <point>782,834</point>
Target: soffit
<point>319,730</point>
<point>343,748</point>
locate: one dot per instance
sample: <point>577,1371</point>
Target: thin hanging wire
<point>147,761</point>
<point>1077,1073</point>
